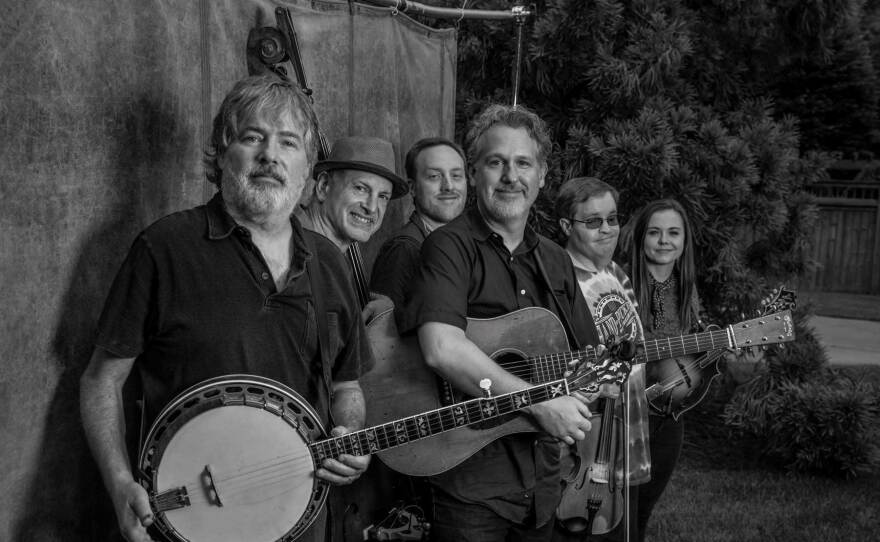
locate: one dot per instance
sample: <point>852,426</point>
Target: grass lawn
<point>716,505</point>
<point>838,305</point>
<point>718,493</point>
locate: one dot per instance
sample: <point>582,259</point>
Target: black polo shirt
<point>398,261</point>
<point>466,271</point>
<point>194,299</point>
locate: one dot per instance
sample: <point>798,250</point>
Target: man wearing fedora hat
<point>352,190</point>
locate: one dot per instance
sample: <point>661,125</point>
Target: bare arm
<point>450,353</point>
<point>104,425</point>
<point>349,413</point>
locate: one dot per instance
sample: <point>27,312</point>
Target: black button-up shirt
<point>467,271</point>
<point>194,299</point>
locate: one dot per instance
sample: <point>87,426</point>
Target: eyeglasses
<point>595,222</point>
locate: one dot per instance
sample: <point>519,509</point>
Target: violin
<point>593,502</point>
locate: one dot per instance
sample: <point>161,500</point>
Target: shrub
<point>828,424</point>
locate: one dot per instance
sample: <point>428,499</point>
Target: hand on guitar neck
<point>556,419</point>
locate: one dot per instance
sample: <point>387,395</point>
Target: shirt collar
<point>482,232</point>
<point>581,264</point>
<point>221,225</point>
<point>419,223</point>
<point>220,222</point>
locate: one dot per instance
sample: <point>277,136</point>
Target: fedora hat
<point>370,154</point>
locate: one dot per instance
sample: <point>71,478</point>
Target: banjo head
<point>229,460</point>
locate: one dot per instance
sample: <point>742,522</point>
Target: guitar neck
<point>670,347</point>
<point>403,431</point>
<point>552,366</point>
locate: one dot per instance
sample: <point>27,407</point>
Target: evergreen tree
<point>678,98</point>
<point>626,94</point>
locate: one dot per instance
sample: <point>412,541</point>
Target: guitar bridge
<point>171,499</point>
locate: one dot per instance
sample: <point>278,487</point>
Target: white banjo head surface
<point>242,456</point>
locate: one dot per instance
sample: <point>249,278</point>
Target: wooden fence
<point>846,241</point>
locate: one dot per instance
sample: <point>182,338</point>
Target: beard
<point>442,213</point>
<point>253,198</point>
<point>502,210</point>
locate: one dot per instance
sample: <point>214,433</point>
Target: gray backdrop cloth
<point>105,106</point>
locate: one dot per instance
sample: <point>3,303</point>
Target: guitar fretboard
<point>551,366</point>
<point>399,432</point>
<point>671,347</point>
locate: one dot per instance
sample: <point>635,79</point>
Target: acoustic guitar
<point>234,457</point>
<point>530,343</point>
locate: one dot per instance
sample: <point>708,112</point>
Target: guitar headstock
<point>608,369</point>
<point>769,329</point>
<point>780,299</point>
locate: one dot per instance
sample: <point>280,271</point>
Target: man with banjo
<point>235,286</point>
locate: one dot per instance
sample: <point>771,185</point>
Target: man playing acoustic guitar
<point>486,263</point>
<point>233,286</point>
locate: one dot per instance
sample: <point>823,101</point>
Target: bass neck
<point>356,261</point>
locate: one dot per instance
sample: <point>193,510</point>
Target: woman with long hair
<point>664,279</point>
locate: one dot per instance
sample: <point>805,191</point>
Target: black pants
<point>666,437</point>
<point>457,521</point>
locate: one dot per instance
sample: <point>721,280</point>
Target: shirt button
<point>522,292</point>
<point>525,495</point>
<point>265,276</point>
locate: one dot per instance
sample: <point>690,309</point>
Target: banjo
<point>233,458</point>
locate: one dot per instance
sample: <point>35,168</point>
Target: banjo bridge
<point>171,499</point>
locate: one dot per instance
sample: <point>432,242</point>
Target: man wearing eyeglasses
<point>587,211</point>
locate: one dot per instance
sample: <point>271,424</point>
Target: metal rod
<point>408,7</point>
<point>517,65</point>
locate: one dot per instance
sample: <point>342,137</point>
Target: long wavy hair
<point>684,266</point>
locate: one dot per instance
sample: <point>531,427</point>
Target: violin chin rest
<point>574,525</point>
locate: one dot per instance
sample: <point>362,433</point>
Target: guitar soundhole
<point>514,364</point>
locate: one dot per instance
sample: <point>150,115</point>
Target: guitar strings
<point>357,266</point>
<point>528,367</point>
<point>278,469</point>
<point>673,381</point>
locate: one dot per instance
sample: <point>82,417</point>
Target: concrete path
<point>849,342</point>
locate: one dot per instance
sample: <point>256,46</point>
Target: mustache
<point>267,171</point>
<point>450,192</point>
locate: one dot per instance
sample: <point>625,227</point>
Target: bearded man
<point>232,286</point>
